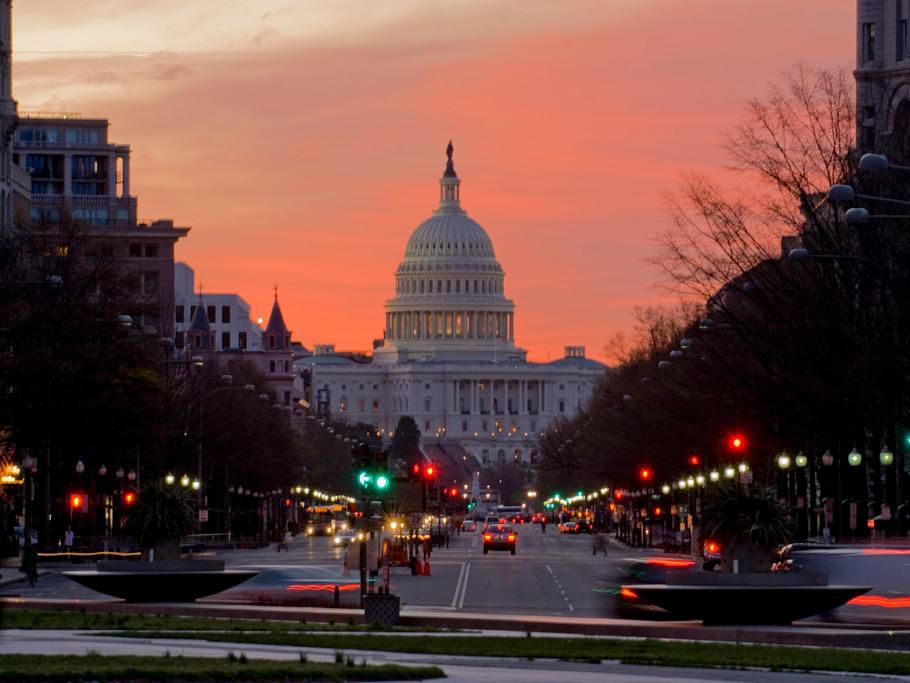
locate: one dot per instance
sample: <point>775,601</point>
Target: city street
<point>551,574</point>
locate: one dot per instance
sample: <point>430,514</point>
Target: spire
<point>199,336</point>
<point>449,193</point>
<point>276,332</point>
<point>200,321</point>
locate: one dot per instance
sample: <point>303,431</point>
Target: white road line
<point>464,585</point>
<point>458,584</point>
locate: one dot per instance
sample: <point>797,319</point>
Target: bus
<point>325,520</point>
<point>514,514</point>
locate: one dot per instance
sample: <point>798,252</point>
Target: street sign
<point>203,515</point>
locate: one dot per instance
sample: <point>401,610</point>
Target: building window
<point>179,313</point>
<point>241,340</point>
<point>533,425</point>
<point>271,366</point>
<point>151,251</point>
<point>361,387</point>
<point>226,314</point>
<point>427,404</point>
<point>344,403</point>
<point>562,406</point>
<point>425,386</point>
<point>375,387</point>
<point>179,340</point>
<point>426,427</point>
<point>287,398</point>
<point>484,426</point>
<point>498,425</point>
<point>375,405</point>
<point>210,313</point>
<point>361,405</point>
<point>150,282</point>
<point>869,42</point>
<point>135,251</point>
<point>225,340</point>
<point>901,38</point>
<point>464,427</point>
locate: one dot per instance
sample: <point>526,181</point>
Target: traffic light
<point>381,468</point>
<point>287,502</point>
<point>736,443</point>
<point>453,492</point>
<point>694,460</point>
<point>646,474</point>
<point>129,498</point>
<point>472,504</point>
<point>429,472</point>
<point>362,458</point>
<point>78,502</point>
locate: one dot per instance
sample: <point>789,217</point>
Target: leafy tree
<point>161,516</point>
<point>406,439</point>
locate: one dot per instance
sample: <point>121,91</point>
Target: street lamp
<point>783,461</point>
<point>169,479</point>
<point>854,458</point>
<point>886,457</point>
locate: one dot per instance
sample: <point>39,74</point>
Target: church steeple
<point>449,186</point>
<point>277,335</point>
<point>199,336</point>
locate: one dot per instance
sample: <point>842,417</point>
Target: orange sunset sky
<point>303,139</point>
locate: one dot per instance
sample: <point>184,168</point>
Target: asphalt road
<point>551,574</point>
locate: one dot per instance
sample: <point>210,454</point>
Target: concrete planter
<point>748,598</point>
<point>166,581</point>
<point>382,609</point>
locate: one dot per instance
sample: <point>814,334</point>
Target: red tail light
<point>627,593</point>
<point>511,538</point>
<point>488,537</point>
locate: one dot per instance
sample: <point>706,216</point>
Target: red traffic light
<point>129,498</point>
<point>287,502</point>
<point>75,501</point>
<point>430,471</point>
<point>415,469</point>
<point>737,442</point>
<point>694,460</point>
<point>645,474</point>
<point>453,492</point>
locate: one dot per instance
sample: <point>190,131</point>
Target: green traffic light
<point>382,482</point>
<point>364,478</point>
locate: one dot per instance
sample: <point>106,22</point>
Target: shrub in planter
<point>161,516</point>
<point>749,523</point>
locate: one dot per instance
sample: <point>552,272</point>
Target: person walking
<point>543,525</point>
<point>68,538</point>
<point>598,543</point>
<point>30,564</point>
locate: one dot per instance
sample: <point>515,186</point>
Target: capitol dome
<point>449,289</point>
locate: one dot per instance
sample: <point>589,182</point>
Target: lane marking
<point>561,590</point>
<point>464,585</point>
<point>458,584</point>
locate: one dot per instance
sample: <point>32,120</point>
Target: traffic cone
<point>426,568</point>
<point>419,567</point>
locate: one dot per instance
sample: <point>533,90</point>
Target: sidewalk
<point>10,574</point>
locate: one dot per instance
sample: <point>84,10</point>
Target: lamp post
<point>29,467</point>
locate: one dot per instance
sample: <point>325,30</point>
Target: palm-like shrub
<point>160,517</point>
<point>748,523</point>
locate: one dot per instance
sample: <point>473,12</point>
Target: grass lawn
<point>60,619</point>
<point>653,652</point>
<point>100,668</point>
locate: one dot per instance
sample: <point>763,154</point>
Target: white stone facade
<point>882,70</point>
<point>228,314</point>
<point>449,357</point>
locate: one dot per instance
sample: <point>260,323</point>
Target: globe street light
<point>783,461</point>
<point>854,458</point>
<point>886,457</point>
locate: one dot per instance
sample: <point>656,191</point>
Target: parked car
<point>469,525</point>
<point>711,554</point>
<point>499,537</point>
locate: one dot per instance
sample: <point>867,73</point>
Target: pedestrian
<point>68,539</point>
<point>543,525</point>
<point>30,564</point>
<point>598,542</point>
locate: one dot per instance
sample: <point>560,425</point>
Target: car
<point>538,518</point>
<point>469,525</point>
<point>20,536</point>
<point>711,554</point>
<point>575,526</point>
<point>345,537</point>
<point>491,520</point>
<point>499,537</point>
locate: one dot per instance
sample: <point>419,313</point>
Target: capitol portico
<point>448,357</point>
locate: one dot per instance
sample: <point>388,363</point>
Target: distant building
<point>77,173</point>
<point>883,77</point>
<point>449,357</point>
<point>228,314</point>
<point>14,194</point>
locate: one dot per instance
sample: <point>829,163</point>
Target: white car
<point>345,537</point>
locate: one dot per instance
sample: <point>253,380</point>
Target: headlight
<point>338,540</point>
<point>344,526</point>
<point>309,531</point>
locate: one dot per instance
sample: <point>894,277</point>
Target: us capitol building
<point>449,357</point>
